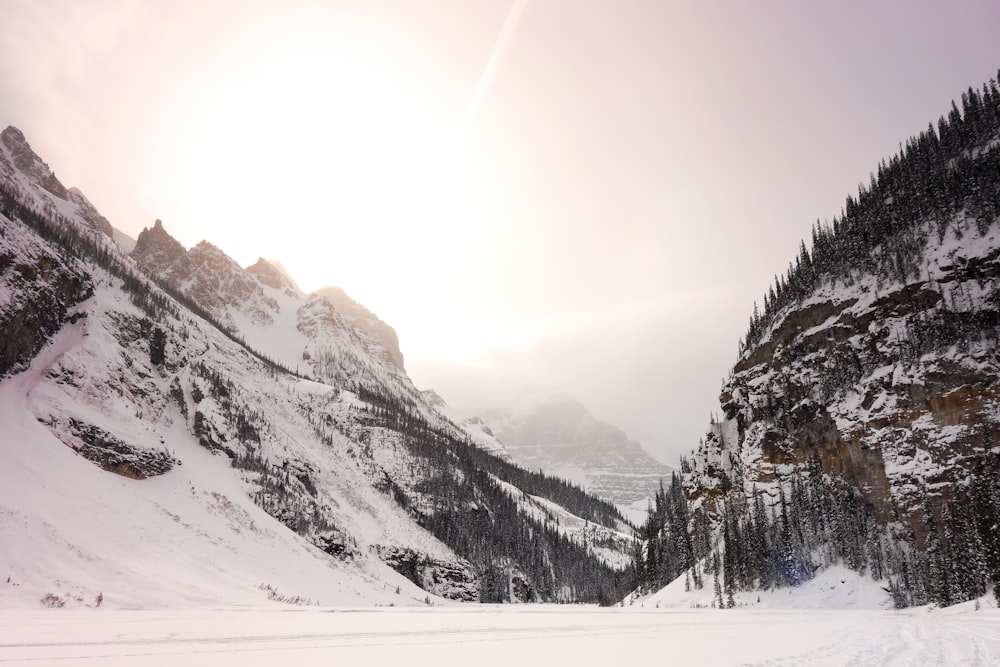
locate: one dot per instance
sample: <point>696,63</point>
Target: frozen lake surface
<point>493,635</point>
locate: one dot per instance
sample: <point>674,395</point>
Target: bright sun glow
<point>337,130</point>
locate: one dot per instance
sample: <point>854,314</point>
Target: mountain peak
<point>365,321</point>
<point>157,233</point>
<point>12,134</point>
<point>433,398</point>
<point>160,254</point>
<point>38,175</point>
<point>28,163</point>
<point>554,431</point>
<point>210,250</point>
<point>272,274</point>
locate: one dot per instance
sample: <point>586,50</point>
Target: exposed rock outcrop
<point>37,292</point>
<point>110,452</point>
<point>449,579</point>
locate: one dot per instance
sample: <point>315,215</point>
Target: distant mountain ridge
<point>557,434</point>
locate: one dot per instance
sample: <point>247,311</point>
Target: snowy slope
<point>834,588</point>
<point>193,537</point>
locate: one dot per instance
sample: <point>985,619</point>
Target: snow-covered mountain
<point>861,424</point>
<point>554,432</point>
<point>237,439</point>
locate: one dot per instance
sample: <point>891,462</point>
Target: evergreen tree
<point>157,347</point>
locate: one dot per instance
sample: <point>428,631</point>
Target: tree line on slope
<point>935,175</point>
<point>776,538</point>
<point>477,516</point>
<point>399,413</point>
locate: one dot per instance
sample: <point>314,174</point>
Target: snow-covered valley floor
<point>492,635</point>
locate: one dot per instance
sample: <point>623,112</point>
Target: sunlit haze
<point>535,193</point>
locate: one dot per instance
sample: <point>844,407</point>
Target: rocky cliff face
<point>892,386</point>
<point>876,354</point>
<point>161,254</point>
<point>364,321</point>
<point>206,275</point>
<point>38,289</point>
<point>560,437</point>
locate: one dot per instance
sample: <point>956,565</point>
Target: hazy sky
<point>586,195</point>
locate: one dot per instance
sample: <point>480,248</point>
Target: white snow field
<point>492,635</point>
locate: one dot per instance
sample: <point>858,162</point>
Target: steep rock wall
<point>893,386</point>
